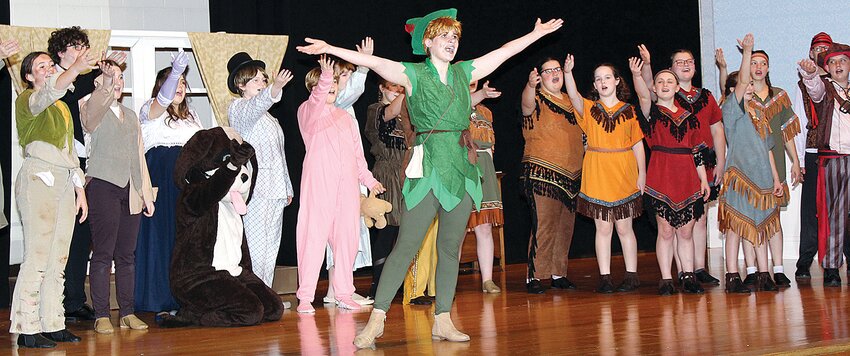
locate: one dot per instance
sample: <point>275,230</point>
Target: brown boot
<point>734,284</point>
<point>630,282</point>
<point>765,283</point>
<point>444,329</point>
<point>373,330</point>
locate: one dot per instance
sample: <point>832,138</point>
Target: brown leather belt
<point>607,150</point>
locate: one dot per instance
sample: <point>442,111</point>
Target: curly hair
<point>622,90</point>
<point>62,38</point>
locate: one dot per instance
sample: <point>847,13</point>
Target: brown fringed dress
<point>550,179</point>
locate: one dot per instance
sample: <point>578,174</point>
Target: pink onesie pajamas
<point>330,195</point>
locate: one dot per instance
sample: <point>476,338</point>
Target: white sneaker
<point>287,305</point>
<point>359,299</point>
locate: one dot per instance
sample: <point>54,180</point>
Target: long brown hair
<point>623,92</point>
<point>182,111</point>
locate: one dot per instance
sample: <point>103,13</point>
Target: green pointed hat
<point>416,27</point>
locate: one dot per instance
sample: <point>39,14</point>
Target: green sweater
<point>53,125</point>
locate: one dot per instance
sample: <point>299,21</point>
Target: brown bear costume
<point>211,276</point>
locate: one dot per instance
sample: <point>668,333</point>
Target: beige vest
<point>114,153</point>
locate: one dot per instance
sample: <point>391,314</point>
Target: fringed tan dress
<point>481,129</point>
<point>550,179</point>
<point>609,176</point>
<point>747,205</point>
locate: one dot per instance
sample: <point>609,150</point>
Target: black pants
<point>78,260</point>
<point>808,213</point>
<point>382,243</point>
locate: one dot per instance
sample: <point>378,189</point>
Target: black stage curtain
<point>595,32</point>
<point>6,164</point>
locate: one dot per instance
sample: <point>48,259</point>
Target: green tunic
<point>446,169</point>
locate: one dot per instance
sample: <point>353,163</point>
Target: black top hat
<point>235,63</point>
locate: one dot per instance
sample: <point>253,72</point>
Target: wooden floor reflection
<point>801,319</point>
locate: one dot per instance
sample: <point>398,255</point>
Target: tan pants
<point>549,247</point>
<point>47,215</point>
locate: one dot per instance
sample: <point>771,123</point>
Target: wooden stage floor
<point>804,319</point>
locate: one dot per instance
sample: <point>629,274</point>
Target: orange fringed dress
<point>610,173</point>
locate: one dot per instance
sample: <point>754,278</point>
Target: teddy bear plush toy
<point>373,209</point>
<point>211,275</point>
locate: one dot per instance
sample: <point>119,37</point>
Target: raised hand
<point>490,92</point>
<point>282,78</point>
<point>569,64</point>
<point>533,79</point>
<point>644,53</point>
<point>109,71</point>
<point>179,62</point>
<point>84,61</point>
<point>9,48</point>
<point>635,65</point>
<point>326,64</point>
<point>545,28</point>
<point>118,57</point>
<point>315,46</point>
<point>719,59</point>
<point>366,46</point>
<point>747,43</point>
<point>808,66</point>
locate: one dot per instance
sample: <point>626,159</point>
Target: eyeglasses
<point>78,46</point>
<point>551,70</point>
<point>683,62</point>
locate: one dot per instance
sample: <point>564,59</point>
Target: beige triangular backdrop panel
<point>35,39</point>
<point>212,50</point>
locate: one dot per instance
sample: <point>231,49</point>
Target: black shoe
<point>704,277</point>
<point>605,285</point>
<point>802,273</point>
<point>781,280</point>
<point>423,300</point>
<point>831,278</point>
<point>751,279</point>
<point>562,283</point>
<point>35,341</point>
<point>84,313</point>
<point>735,285</point>
<point>666,287</point>
<point>765,283</point>
<point>690,284</point>
<point>62,336</point>
<point>535,287</point>
<point>630,282</point>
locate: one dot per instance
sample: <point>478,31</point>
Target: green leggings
<point>414,225</point>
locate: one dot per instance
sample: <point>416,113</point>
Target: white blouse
<point>156,132</point>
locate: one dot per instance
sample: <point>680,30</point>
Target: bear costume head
<point>210,274</point>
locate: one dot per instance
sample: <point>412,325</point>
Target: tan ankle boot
<point>103,326</point>
<point>444,329</point>
<point>133,322</point>
<point>373,330</point>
